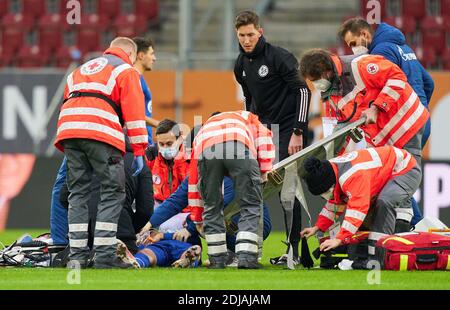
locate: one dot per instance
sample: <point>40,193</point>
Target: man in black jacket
<point>274,91</point>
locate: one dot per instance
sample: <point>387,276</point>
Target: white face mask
<point>329,194</point>
<point>322,85</point>
<point>360,50</point>
<point>169,152</point>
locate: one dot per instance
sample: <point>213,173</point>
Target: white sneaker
<point>345,264</point>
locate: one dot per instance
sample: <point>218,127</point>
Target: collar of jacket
<point>116,51</point>
<point>258,48</point>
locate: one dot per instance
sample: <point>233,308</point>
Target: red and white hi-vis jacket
<point>370,79</point>
<point>361,175</point>
<point>113,76</point>
<point>239,126</point>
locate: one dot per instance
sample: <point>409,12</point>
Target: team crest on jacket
<point>372,68</point>
<point>345,158</point>
<point>156,179</point>
<point>94,66</point>
<point>263,71</point>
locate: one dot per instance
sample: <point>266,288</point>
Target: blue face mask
<point>169,153</point>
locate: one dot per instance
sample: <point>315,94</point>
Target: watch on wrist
<point>298,131</point>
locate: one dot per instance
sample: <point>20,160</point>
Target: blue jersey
<point>148,106</point>
<point>167,251</point>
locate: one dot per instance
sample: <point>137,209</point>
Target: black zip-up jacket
<point>272,86</point>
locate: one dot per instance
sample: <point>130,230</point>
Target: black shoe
<point>217,265</point>
<point>249,265</point>
<point>116,263</point>
<point>360,264</point>
<point>282,260</point>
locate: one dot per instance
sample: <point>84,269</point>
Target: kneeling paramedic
<point>380,180</point>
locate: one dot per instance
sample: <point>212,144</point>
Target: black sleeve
<point>143,198</point>
<point>64,196</point>
<point>288,68</point>
<point>151,152</point>
<point>238,75</point>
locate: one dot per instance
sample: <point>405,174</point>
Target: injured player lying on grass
<point>160,249</point>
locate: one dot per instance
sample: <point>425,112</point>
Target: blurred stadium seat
<point>108,8</point>
<point>34,8</point>
<point>32,56</point>
<point>414,8</point>
<point>147,8</point>
<point>433,33</point>
<point>445,8</point>
<point>65,55</point>
<point>3,8</point>
<point>446,59</point>
<point>129,25</point>
<point>6,57</point>
<point>26,23</point>
<point>50,31</point>
<point>88,32</point>
<point>427,56</point>
<point>14,27</point>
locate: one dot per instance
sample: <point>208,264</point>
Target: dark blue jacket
<point>179,200</point>
<point>390,42</point>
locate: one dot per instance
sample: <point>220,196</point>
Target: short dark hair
<point>167,125</point>
<point>354,25</point>
<point>143,44</point>
<point>315,62</point>
<point>245,18</point>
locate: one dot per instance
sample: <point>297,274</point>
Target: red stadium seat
<point>109,8</point>
<point>32,56</point>
<point>427,56</point>
<point>33,8</point>
<point>130,25</point>
<point>14,28</point>
<point>446,59</point>
<point>147,8</point>
<point>445,8</point>
<point>6,57</point>
<point>3,8</point>
<point>414,8</point>
<point>88,32</point>
<point>364,10</point>
<point>50,31</point>
<point>66,55</point>
<point>433,33</point>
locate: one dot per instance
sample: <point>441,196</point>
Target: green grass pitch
<point>270,277</point>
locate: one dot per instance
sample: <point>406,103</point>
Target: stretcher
<point>285,178</point>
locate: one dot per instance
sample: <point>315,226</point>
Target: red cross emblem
<point>93,65</point>
<point>372,68</point>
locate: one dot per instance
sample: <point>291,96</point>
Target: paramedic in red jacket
<point>167,161</point>
<point>101,97</point>
<point>238,145</point>
<point>384,178</point>
<point>371,86</point>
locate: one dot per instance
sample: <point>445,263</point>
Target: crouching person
<point>380,179</point>
<point>238,145</point>
<point>160,249</point>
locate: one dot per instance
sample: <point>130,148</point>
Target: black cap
<point>319,176</point>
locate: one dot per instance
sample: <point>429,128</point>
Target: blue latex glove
<point>138,164</point>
